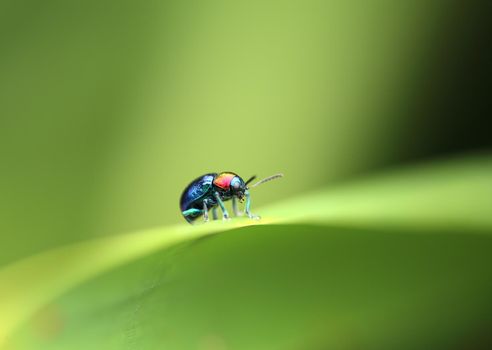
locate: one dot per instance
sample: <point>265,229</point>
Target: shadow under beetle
<point>211,190</point>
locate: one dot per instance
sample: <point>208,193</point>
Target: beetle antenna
<point>270,178</point>
<point>250,179</point>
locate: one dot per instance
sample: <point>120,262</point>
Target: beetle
<point>211,190</point>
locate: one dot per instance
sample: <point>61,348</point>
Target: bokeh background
<point>109,108</point>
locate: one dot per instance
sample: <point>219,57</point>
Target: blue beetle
<point>211,190</point>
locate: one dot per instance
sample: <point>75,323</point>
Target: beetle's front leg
<point>222,206</point>
<point>235,209</point>
<point>247,206</point>
<point>214,213</point>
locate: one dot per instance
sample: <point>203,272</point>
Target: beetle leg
<point>192,213</point>
<point>234,207</point>
<point>248,207</point>
<point>205,211</point>
<point>222,206</point>
<point>214,213</point>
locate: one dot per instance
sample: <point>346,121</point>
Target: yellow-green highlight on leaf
<point>282,286</point>
<point>32,282</point>
<point>456,195</point>
<point>449,194</point>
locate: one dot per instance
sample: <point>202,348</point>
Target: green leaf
<point>402,260</point>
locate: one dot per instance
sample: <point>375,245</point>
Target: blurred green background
<point>108,109</point>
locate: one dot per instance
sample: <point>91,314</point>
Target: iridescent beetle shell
<point>211,190</point>
<point>202,194</point>
<point>194,193</point>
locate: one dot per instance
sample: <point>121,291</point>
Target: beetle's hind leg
<point>215,216</point>
<point>191,214</point>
